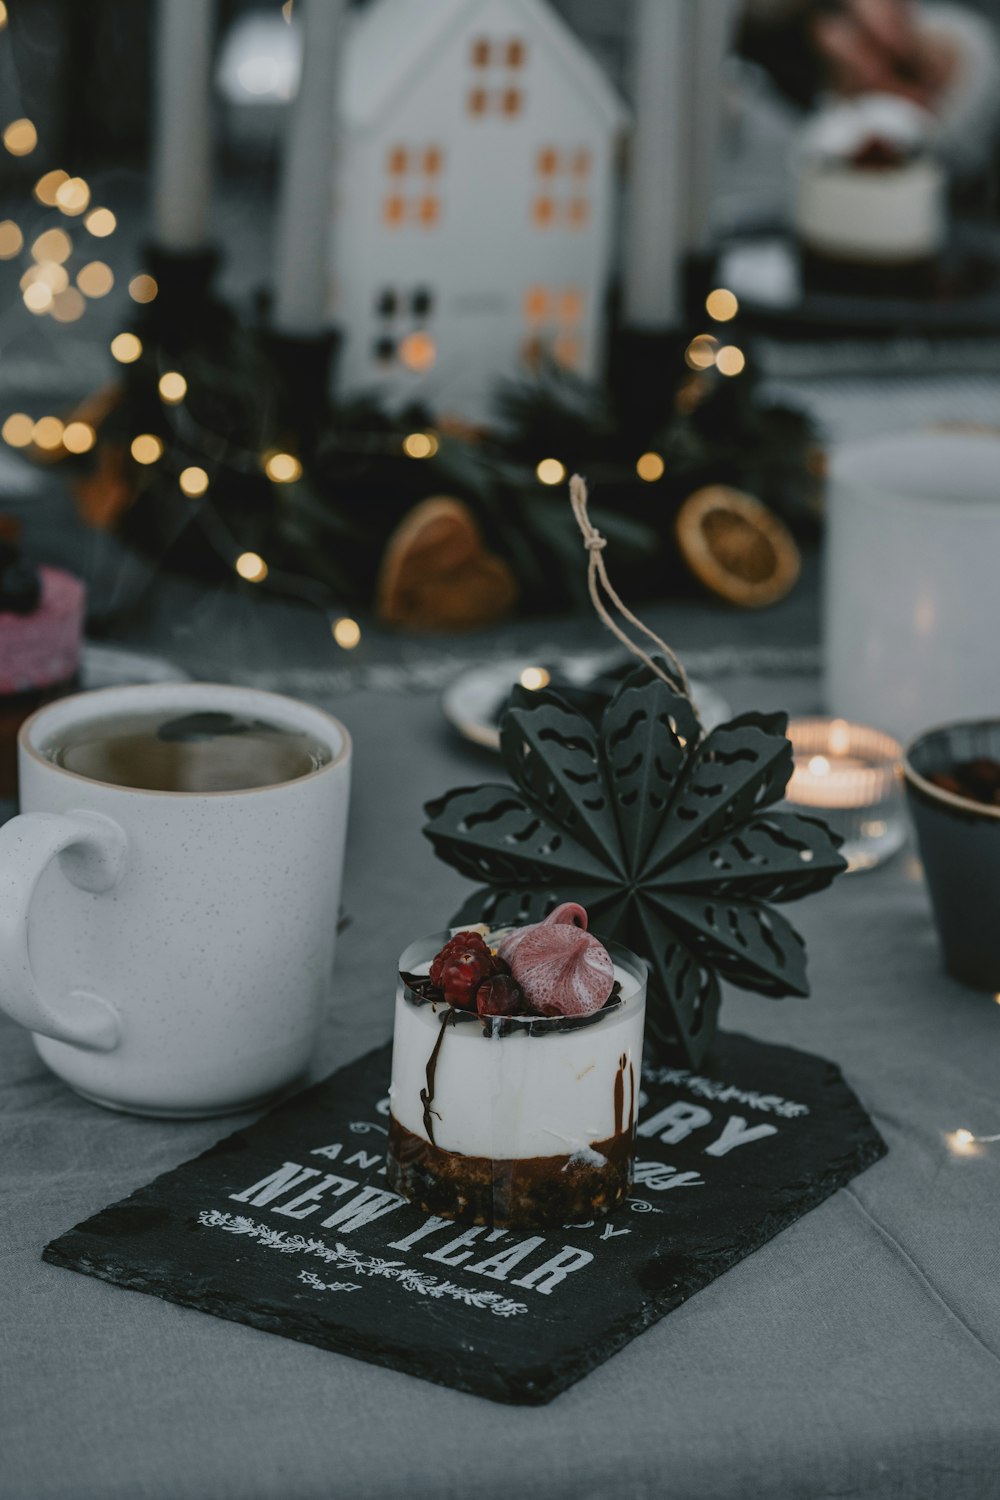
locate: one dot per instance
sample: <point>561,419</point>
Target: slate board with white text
<point>288,1225</point>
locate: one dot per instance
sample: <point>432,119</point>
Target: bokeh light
<point>420,445</point>
<point>534,678</point>
<point>347,633</point>
<point>551,471</point>
<point>95,279</point>
<point>20,137</point>
<point>126,348</point>
<point>251,566</point>
<point>193,481</point>
<point>143,288</point>
<point>79,437</point>
<point>721,305</point>
<point>172,387</point>
<point>730,360</point>
<point>700,353</point>
<point>68,306</point>
<point>17,429</point>
<point>72,196</point>
<point>48,185</point>
<point>146,448</point>
<point>47,434</point>
<point>11,239</point>
<point>282,468</point>
<point>650,467</point>
<point>49,274</point>
<point>54,244</point>
<point>101,222</point>
<point>38,297</point>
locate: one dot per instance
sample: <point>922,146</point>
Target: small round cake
<point>871,193</point>
<point>41,634</point>
<point>515,1085</point>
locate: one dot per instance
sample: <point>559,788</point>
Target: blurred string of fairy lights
<point>62,275</point>
<point>59,279</point>
<point>964,1142</point>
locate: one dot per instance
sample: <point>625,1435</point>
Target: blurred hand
<point>880,46</point>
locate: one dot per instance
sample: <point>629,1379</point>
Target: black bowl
<point>959,843</point>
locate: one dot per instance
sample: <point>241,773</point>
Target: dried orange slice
<point>736,546</point>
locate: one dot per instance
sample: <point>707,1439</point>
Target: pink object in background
<point>42,649</point>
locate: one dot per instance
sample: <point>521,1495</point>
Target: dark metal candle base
<point>185,312</point>
<point>645,370</point>
<point>304,366</point>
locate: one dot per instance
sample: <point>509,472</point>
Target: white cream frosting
<point>840,129</point>
<point>518,1096</point>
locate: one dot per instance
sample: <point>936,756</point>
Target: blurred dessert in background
<point>41,637</point>
<point>870,206</point>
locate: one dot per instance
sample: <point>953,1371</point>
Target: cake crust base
<point>538,1192</point>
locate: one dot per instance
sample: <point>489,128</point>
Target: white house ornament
<point>472,229</point>
<point>666,835</point>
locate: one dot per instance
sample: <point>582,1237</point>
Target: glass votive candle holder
<point>849,774</point>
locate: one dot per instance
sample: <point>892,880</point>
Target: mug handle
<point>92,849</point>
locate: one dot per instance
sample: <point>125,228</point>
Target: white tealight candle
<point>851,772</point>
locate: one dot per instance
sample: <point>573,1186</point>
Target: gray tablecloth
<point>856,1355</point>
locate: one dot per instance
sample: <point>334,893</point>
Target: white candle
<point>712,31</point>
<point>182,137</point>
<point>656,217</point>
<point>302,242</point>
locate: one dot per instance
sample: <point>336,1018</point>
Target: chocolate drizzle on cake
<point>620,1127</point>
<point>427,1093</point>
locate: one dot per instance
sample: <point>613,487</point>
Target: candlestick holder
<point>851,774</point>
<point>303,364</point>
<point>643,371</point>
<point>184,310</point>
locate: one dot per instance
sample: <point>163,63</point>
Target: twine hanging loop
<point>601,587</point>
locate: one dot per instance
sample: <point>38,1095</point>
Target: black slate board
<point>380,1282</point>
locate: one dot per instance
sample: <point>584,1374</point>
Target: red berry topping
<point>500,995</point>
<point>460,968</point>
<point>457,944</point>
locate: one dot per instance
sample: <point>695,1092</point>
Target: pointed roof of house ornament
<point>391,40</point>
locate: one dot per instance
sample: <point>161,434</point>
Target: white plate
<point>473,699</point>
<point>110,666</point>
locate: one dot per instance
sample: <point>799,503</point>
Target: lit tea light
<point>851,773</point>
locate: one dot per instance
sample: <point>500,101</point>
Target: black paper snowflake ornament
<point>667,835</point>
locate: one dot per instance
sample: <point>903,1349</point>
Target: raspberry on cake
<point>515,1073</point>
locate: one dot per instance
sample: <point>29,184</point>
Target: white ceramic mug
<point>912,550</point>
<point>172,951</point>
